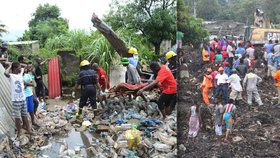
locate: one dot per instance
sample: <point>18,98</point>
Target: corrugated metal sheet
<point>54,78</point>
<point>6,121</point>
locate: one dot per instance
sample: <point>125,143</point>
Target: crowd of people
<point>231,70</point>
<point>27,89</point>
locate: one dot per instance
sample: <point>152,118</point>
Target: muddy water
<point>73,140</point>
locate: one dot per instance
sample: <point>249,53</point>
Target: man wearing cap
<point>132,73</point>
<point>168,85</point>
<point>88,80</point>
<point>250,83</point>
<point>172,62</point>
<point>206,85</point>
<point>236,88</point>
<point>222,85</point>
<point>277,84</point>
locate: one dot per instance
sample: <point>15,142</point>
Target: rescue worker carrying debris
<point>131,73</point>
<point>168,85</point>
<point>171,57</point>
<point>103,79</point>
<point>206,85</point>
<point>88,80</point>
<point>250,83</point>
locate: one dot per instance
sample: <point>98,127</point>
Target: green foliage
<point>69,80</point>
<point>44,13</point>
<point>2,29</point>
<point>154,19</point>
<point>237,10</point>
<point>193,28</point>
<point>14,53</point>
<point>96,47</point>
<point>46,23</point>
<point>72,40</point>
<point>208,9</point>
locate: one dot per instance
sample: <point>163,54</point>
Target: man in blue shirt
<point>270,64</point>
<point>239,51</point>
<point>268,46</point>
<point>87,80</point>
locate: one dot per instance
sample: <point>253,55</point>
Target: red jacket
<point>103,78</point>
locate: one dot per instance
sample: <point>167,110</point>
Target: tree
<point>192,27</point>
<point>208,9</point>
<point>46,23</point>
<point>154,19</point>
<point>2,29</point>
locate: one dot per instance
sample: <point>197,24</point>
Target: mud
<point>256,134</point>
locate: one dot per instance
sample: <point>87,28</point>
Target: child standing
<point>18,97</point>
<point>229,116</point>
<point>29,79</point>
<point>218,114</point>
<point>195,120</point>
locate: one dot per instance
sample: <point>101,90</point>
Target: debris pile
<point>121,128</point>
<point>254,135</point>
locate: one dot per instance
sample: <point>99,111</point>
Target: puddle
<point>73,140</point>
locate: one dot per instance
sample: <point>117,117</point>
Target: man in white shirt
<point>222,85</point>
<point>17,96</point>
<point>230,52</point>
<point>250,83</point>
<point>236,88</point>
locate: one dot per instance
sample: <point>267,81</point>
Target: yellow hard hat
<point>84,63</point>
<point>169,55</point>
<point>132,51</point>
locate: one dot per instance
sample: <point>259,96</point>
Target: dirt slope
<point>258,129</point>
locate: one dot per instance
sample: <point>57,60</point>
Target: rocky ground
<point>255,135</point>
<point>122,128</point>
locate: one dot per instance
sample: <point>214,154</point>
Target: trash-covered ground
<point>255,135</point>
<point>122,128</point>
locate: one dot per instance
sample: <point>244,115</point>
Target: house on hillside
<point>26,46</point>
<point>225,27</point>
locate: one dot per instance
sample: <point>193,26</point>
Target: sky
<point>15,14</point>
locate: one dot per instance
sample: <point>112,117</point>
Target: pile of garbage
<point>122,128</point>
<point>256,134</point>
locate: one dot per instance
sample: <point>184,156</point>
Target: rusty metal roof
<point>6,120</point>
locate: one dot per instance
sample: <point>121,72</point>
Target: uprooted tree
<point>154,19</point>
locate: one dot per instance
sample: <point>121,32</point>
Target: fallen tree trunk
<point>111,36</point>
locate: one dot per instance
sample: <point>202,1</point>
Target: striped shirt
<point>229,108</point>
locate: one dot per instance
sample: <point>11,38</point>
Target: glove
<point>73,94</point>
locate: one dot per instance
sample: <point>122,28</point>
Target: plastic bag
<point>162,147</point>
<point>133,138</point>
<point>71,108</point>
